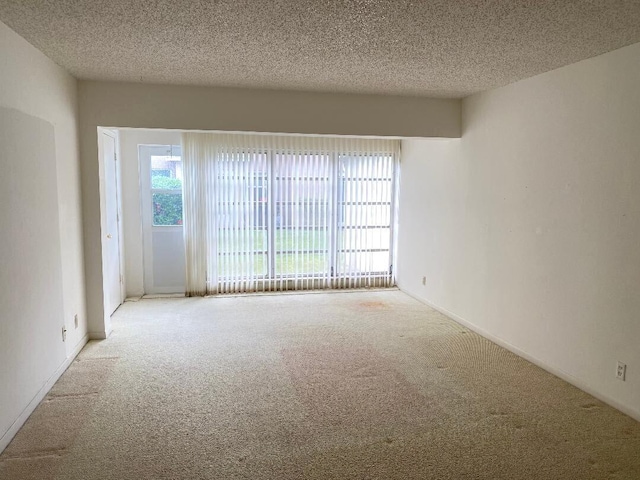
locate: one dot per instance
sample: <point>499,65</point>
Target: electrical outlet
<point>75,320</point>
<point>424,280</point>
<point>621,371</point>
<point>64,333</point>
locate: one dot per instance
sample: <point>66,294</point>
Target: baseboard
<point>576,382</point>
<point>35,401</point>
<point>101,335</point>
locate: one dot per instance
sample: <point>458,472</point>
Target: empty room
<point>319,240</point>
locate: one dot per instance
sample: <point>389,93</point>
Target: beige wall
<point>527,227</point>
<point>33,85</point>
<point>135,105</point>
<point>140,105</point>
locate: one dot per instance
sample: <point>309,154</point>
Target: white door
<point>161,200</point>
<point>113,278</point>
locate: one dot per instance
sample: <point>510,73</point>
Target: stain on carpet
<point>372,306</point>
<point>355,390</point>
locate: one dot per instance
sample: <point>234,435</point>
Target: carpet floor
<point>367,385</point>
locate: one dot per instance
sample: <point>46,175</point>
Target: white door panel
<point>161,202</point>
<point>113,283</point>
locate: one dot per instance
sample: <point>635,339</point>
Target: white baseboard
<point>35,401</point>
<point>101,335</point>
<point>576,382</point>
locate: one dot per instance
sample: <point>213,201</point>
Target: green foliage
<point>165,183</point>
<point>167,209</point>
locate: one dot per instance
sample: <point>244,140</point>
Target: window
<point>280,213</point>
<point>166,189</point>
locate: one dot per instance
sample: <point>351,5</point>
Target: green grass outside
<point>285,239</point>
<point>235,242</point>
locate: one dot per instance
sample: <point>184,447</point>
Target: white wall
<point>112,104</point>
<point>33,85</point>
<point>528,227</point>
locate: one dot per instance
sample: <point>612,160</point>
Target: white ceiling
<point>439,48</point>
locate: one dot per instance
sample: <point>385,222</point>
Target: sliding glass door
<point>242,236</point>
<point>365,218</point>
<point>275,218</point>
<point>302,210</point>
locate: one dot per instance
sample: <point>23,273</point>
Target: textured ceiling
<point>441,48</point>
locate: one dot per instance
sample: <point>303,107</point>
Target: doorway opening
<point>283,219</point>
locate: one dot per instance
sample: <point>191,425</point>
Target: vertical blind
<point>269,212</point>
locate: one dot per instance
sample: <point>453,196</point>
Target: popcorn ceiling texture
<point>438,48</point>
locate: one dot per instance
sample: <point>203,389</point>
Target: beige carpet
<point>369,385</point>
